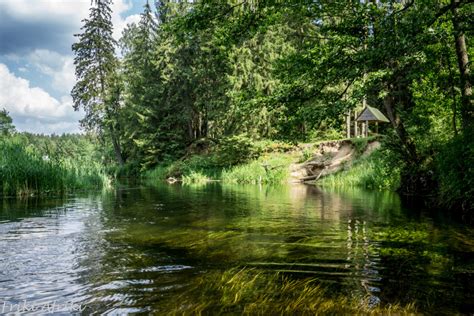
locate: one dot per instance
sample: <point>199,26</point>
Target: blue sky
<point>36,61</point>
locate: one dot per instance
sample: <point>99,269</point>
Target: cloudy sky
<point>36,61</point>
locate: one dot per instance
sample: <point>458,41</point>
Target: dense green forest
<point>225,74</point>
<point>203,88</point>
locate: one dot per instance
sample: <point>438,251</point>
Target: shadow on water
<point>138,249</point>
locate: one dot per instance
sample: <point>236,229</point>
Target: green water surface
<point>232,249</point>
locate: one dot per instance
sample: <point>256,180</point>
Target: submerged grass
<point>254,292</point>
<point>24,172</point>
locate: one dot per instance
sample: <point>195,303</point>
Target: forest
<point>309,157</point>
<point>205,89</point>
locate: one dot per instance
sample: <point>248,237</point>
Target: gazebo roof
<point>372,115</point>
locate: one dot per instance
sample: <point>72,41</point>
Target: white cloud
<point>32,108</point>
<point>26,25</point>
<point>120,24</point>
<point>52,9</point>
<point>35,126</point>
<point>118,8</point>
<point>37,35</point>
<point>60,68</point>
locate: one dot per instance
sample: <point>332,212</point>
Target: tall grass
<point>271,168</point>
<point>370,172</point>
<point>195,177</point>
<point>24,172</point>
<point>267,169</point>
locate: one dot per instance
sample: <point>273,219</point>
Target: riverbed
<point>159,248</point>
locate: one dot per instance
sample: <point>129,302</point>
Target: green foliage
<point>158,173</point>
<point>274,146</point>
<point>6,125</point>
<point>306,154</point>
<point>98,86</point>
<point>273,168</point>
<point>455,167</point>
<point>375,171</point>
<point>195,177</point>
<point>27,170</point>
<point>238,73</point>
<point>235,150</point>
<point>196,167</point>
<point>360,145</point>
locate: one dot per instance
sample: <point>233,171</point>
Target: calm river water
<point>153,249</point>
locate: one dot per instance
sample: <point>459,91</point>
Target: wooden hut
<point>370,114</point>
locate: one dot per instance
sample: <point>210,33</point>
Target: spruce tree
<point>96,73</point>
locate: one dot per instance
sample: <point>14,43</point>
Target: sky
<point>36,60</point>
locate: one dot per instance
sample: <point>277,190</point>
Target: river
<point>164,248</point>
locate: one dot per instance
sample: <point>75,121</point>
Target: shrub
<point>235,150</point>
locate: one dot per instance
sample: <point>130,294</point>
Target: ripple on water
<point>133,253</point>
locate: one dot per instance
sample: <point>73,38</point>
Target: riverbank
<point>348,163</point>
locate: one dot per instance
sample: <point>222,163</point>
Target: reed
<point>23,172</point>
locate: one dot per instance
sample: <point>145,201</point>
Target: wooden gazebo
<point>371,114</point>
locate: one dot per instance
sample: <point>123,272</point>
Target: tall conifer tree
<point>96,73</point>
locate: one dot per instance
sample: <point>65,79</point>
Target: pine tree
<point>96,72</point>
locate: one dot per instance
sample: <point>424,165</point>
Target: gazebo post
<point>356,129</point>
<point>366,128</point>
<point>348,124</point>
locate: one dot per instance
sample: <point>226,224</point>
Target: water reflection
<point>135,249</point>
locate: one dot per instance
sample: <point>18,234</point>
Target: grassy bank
<point>271,168</point>
<point>369,172</point>
<point>269,162</point>
<point>25,171</point>
<point>237,159</point>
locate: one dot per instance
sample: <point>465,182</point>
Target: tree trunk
<point>453,94</point>
<point>400,129</point>
<point>117,147</point>
<point>467,105</point>
<point>204,125</point>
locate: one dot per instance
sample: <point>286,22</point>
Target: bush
<point>235,150</point>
